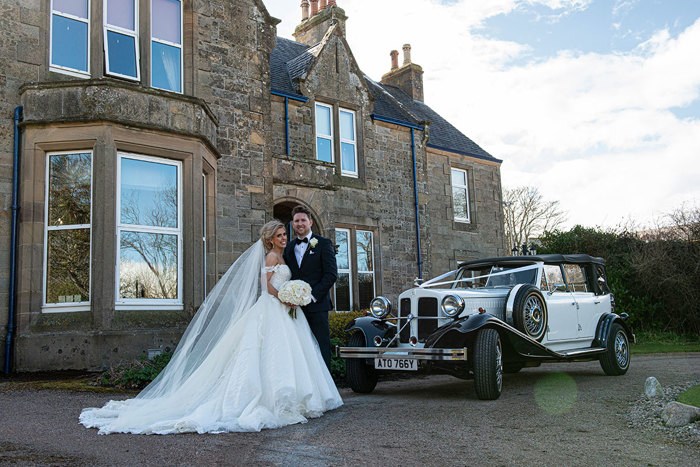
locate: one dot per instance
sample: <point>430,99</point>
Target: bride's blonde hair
<point>267,231</point>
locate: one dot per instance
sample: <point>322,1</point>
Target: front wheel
<point>616,359</point>
<point>488,364</point>
<point>361,377</point>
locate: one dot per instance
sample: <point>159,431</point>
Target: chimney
<point>394,59</point>
<point>313,26</point>
<point>304,10</point>
<point>409,77</point>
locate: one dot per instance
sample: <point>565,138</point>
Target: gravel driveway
<point>556,414</point>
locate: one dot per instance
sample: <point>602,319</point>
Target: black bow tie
<point>302,240</point>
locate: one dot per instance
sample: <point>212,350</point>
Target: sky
<point>595,102</point>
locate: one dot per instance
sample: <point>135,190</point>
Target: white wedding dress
<point>263,371</point>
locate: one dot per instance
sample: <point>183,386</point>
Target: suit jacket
<point>318,269</point>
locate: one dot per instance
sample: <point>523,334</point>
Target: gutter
<point>11,326</point>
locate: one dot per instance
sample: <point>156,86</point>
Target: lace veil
<point>237,291</point>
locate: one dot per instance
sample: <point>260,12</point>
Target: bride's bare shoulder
<point>273,259</point>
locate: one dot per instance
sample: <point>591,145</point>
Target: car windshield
<point>497,276</point>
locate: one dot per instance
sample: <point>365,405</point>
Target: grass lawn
<point>691,396</point>
<point>664,343</point>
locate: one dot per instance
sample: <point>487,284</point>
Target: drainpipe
<point>287,96</point>
<point>415,195</point>
<point>13,242</point>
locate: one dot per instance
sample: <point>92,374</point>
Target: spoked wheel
<point>488,364</point>
<point>530,312</point>
<point>616,359</point>
<point>360,376</point>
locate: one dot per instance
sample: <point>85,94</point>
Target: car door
<point>585,299</point>
<point>561,307</point>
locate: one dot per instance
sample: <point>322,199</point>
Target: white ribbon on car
<point>432,283</point>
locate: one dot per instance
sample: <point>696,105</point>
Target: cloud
<point>593,130</point>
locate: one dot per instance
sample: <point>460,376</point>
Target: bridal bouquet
<point>297,293</point>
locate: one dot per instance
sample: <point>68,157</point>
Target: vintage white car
<point>493,316</point>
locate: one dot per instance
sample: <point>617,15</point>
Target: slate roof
<point>290,60</point>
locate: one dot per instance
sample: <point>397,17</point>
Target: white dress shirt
<point>300,249</point>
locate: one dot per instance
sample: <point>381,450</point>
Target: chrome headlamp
<point>452,305</point>
<point>380,307</point>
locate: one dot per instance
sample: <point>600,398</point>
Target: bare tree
<point>527,214</point>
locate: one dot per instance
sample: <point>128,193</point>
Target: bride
<point>243,364</point>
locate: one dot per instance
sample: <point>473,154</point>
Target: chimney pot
<point>304,10</point>
<point>331,3</point>
<point>324,4</point>
<point>314,7</point>
<point>406,54</point>
<point>394,59</point>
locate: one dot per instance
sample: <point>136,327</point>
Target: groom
<point>311,258</point>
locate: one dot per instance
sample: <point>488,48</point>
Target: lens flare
<point>555,393</point>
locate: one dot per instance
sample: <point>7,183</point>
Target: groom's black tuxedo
<point>318,269</point>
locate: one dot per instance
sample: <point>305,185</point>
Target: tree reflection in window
<point>68,228</point>
<point>149,230</point>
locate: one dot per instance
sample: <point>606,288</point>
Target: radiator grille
<point>427,307</point>
<point>405,310</point>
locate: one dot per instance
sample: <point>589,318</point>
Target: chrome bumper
<point>411,354</point>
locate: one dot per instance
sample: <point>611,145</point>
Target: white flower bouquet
<point>297,293</point>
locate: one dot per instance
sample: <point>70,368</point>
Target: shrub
<point>134,375</point>
<point>337,322</point>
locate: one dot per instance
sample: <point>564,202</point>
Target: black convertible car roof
<point>548,259</point>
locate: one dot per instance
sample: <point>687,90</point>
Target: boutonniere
<point>313,242</point>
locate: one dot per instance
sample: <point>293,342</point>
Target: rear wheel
<point>488,364</point>
<point>360,376</point>
<point>616,359</point>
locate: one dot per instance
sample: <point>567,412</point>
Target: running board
<point>582,352</point>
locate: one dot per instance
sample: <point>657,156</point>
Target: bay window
<point>166,45</point>
<point>68,222</point>
<point>149,232</point>
<point>70,36</point>
<point>355,286</point>
<point>121,38</point>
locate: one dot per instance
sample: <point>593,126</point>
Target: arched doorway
<point>283,212</point>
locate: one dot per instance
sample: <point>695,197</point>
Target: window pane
<point>77,8</point>
<point>347,127</point>
<point>121,13</point>
<point>323,120</point>
<point>148,265</point>
<point>165,67</point>
<point>342,292</point>
<point>348,157</point>
<point>366,289</point>
<point>342,257</point>
<point>69,189</point>
<point>166,20</point>
<point>459,199</point>
<point>553,274</point>
<point>148,193</point>
<point>364,251</point>
<point>323,150</point>
<point>122,54</point>
<point>459,177</point>
<point>69,47</point>
<point>68,266</point>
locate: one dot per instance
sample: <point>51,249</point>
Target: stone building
<point>155,137</point>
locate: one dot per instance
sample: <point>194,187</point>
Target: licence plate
<point>405,364</point>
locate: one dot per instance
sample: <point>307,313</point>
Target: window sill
<point>69,72</point>
<point>147,306</point>
<point>65,308</point>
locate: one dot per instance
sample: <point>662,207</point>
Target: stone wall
<point>22,29</point>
